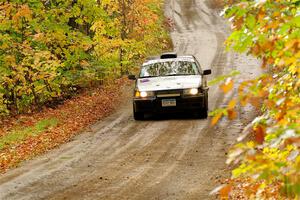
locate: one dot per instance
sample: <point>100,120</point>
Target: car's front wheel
<point>205,109</point>
<point>138,115</point>
<point>203,113</point>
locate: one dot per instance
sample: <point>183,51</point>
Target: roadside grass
<point>22,133</point>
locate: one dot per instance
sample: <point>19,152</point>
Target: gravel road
<point>173,157</point>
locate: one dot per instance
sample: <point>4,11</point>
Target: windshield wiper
<point>148,76</point>
<point>179,74</point>
<point>168,75</point>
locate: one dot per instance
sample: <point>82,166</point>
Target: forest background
<point>50,49</point>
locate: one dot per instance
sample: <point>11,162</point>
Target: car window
<point>170,68</point>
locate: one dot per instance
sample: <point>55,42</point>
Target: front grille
<point>168,93</point>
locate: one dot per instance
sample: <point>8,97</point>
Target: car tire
<point>204,111</point>
<point>138,115</point>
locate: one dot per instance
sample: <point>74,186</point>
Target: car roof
<point>153,60</point>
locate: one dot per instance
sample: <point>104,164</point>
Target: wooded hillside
<point>51,48</point>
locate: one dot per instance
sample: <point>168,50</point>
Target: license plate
<point>168,102</point>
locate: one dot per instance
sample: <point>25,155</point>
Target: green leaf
<point>251,22</point>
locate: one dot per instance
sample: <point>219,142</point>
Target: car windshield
<point>169,68</point>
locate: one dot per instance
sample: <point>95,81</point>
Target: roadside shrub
<point>270,31</point>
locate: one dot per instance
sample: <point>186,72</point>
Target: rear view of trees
<point>50,48</point>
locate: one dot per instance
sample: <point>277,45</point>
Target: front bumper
<point>183,103</point>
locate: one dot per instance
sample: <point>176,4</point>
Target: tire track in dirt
<point>145,168</point>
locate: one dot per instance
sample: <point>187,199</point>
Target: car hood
<point>168,83</point>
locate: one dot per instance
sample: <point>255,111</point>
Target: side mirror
<point>207,72</point>
<point>131,77</point>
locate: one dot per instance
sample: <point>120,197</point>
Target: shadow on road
<point>172,116</point>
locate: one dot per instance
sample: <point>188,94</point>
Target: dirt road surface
<point>166,158</point>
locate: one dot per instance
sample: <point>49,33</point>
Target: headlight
<point>144,94</point>
<point>193,91</point>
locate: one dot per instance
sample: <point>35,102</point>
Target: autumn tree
<point>49,49</point>
<point>270,31</point>
<point>133,30</point>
